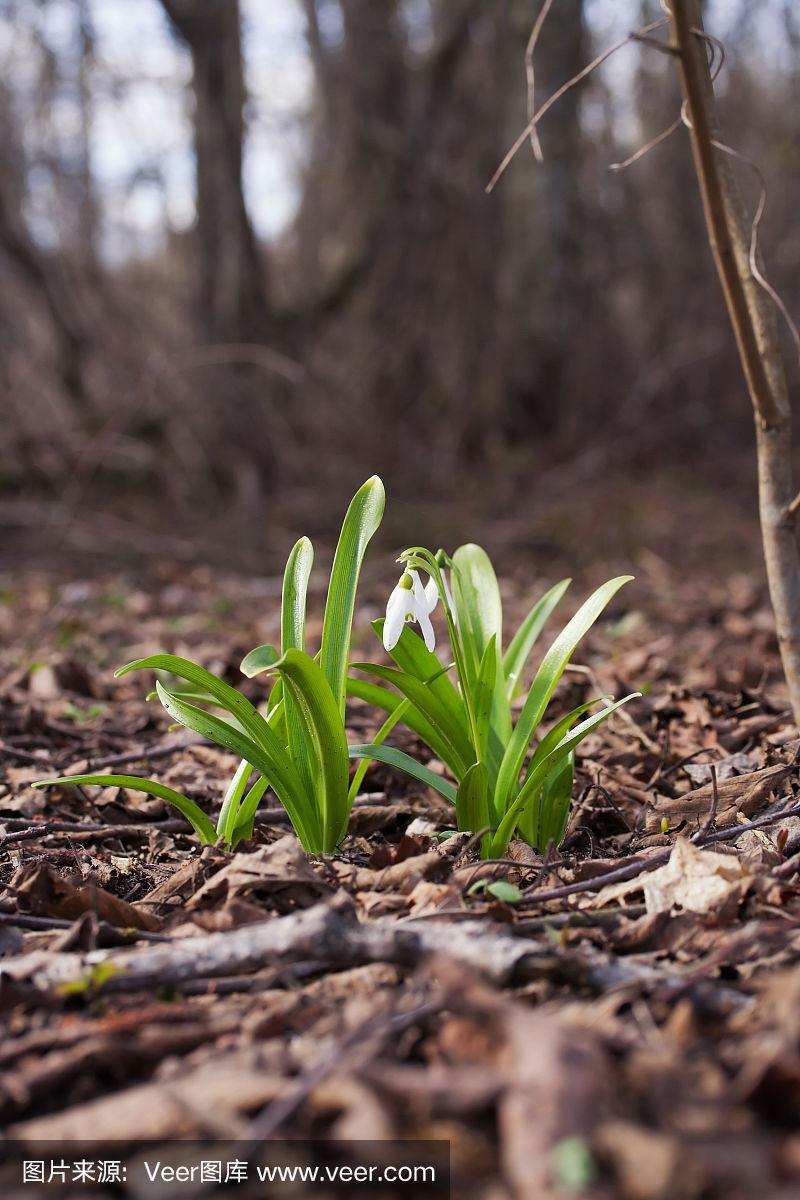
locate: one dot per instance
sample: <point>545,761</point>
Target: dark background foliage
<point>247,259</point>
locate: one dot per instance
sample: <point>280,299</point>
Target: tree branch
<point>753,318</point>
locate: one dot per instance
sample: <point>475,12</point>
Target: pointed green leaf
<point>360,523</point>
<point>247,811</point>
<point>262,658</point>
<point>548,675</point>
<point>525,638</point>
<point>411,655</point>
<point>443,719</point>
<point>191,811</point>
<point>555,802</point>
<point>483,698</point>
<point>389,702</point>
<point>293,636</point>
<point>536,776</point>
<point>226,822</point>
<point>322,730</point>
<point>406,764</point>
<point>267,756</point>
<point>228,698</point>
<point>472,804</point>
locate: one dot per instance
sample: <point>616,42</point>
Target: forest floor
<point>635,1038</point>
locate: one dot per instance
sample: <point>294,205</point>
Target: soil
<point>628,1027</point>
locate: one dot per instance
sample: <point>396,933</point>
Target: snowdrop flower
<point>410,601</point>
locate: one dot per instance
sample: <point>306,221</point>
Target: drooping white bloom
<point>410,601</point>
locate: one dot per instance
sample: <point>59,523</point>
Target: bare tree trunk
<point>58,295</point>
<point>754,320</point>
<point>231,289</point>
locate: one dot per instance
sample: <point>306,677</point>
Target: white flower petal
<point>427,629</point>
<point>431,594</point>
<point>399,604</point>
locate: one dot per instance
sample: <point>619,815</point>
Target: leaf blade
<point>199,821</point>
<point>525,638</point>
<point>360,523</point>
<point>322,730</point>
<point>550,671</point>
<point>404,762</point>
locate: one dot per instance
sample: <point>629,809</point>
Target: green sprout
<point>297,746</point>
<point>469,725</point>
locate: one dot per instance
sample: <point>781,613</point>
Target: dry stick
<point>752,316</point>
<point>641,866</point>
<point>28,834</point>
<point>565,87</point>
<point>712,816</point>
<point>148,754</point>
<point>536,145</point>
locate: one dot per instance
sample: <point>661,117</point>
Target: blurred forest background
<point>247,259</point>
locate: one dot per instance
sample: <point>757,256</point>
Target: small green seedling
<point>500,889</point>
<point>470,724</point>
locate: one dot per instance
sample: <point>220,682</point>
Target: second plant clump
<point>296,744</point>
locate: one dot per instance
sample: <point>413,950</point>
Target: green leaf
<point>548,675</point>
<point>226,822</point>
<point>322,731</point>
<point>477,600</point>
<point>444,720</point>
<point>193,813</point>
<point>555,801</point>
<point>472,804</point>
<point>483,697</point>
<point>293,600</point>
<point>268,756</point>
<point>553,736</point>
<point>262,658</point>
<point>525,638</point>
<point>406,764</point>
<point>536,776</point>
<point>480,618</point>
<point>247,811</point>
<point>509,893</point>
<point>384,731</point>
<point>228,698</point>
<point>501,889</point>
<point>293,636</point>
<point>360,523</point>
<point>529,819</point>
<point>411,655</point>
<point>391,703</point>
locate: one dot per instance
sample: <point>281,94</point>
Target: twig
<point>712,816</point>
<point>24,835</point>
<point>536,145</point>
<point>148,754</point>
<point>640,153</point>
<point>22,755</point>
<point>631,869</point>
<point>565,87</point>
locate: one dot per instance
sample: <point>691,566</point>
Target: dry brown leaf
<point>47,893</point>
<point>281,869</point>
<point>695,880</point>
<point>740,793</point>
